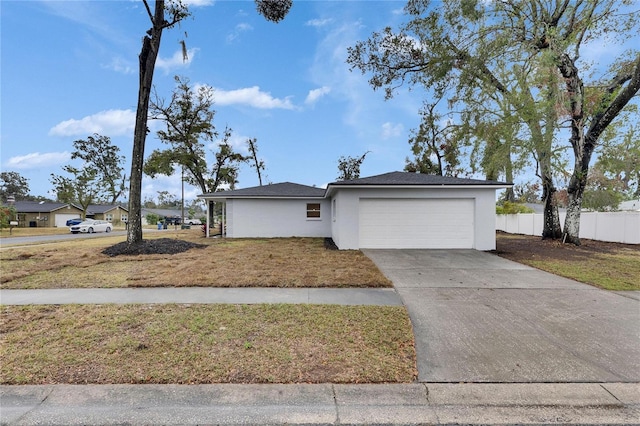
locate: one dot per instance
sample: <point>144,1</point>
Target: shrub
<point>152,218</point>
<point>7,214</point>
<point>512,208</point>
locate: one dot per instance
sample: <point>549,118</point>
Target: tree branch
<point>146,5</point>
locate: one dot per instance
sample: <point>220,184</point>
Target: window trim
<point>314,213</point>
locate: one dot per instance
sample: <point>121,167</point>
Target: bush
<point>7,214</point>
<point>512,208</point>
<point>152,218</point>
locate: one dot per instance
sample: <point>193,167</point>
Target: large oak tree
<point>527,55</point>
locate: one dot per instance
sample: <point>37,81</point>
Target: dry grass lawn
<point>290,262</point>
<point>205,344</point>
<point>199,343</point>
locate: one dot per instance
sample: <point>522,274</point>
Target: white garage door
<point>416,223</point>
<point>61,219</point>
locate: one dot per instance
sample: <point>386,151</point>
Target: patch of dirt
<point>525,247</point>
<point>158,246</point>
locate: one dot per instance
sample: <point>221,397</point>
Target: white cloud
<point>176,61</point>
<point>238,30</point>
<point>390,130</point>
<point>329,70</point>
<point>198,3</point>
<point>113,122</point>
<point>251,96</point>
<point>318,22</point>
<point>120,65</point>
<point>315,94</point>
<point>37,160</point>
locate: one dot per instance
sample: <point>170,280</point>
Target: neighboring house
<point>632,205</point>
<point>115,214</point>
<point>392,210</point>
<point>44,214</point>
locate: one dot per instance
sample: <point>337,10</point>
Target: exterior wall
<point>270,218</point>
<point>116,215</point>
<point>619,227</point>
<point>45,219</point>
<point>345,227</point>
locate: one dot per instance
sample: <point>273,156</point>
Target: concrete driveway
<point>480,318</point>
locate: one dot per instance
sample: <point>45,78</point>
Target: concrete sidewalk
<point>195,295</point>
<point>322,404</point>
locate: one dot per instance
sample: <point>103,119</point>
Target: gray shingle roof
<point>35,206</point>
<point>294,190</point>
<point>101,208</point>
<point>276,190</point>
<point>407,178</point>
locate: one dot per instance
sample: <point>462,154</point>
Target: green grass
<point>205,344</point>
<point>617,272</point>
<point>611,266</point>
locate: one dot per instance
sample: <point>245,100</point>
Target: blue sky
<point>69,69</point>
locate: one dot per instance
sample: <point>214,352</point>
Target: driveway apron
<point>480,318</point>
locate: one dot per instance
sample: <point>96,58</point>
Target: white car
<point>90,226</point>
<point>192,222</point>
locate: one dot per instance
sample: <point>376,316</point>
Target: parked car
<point>171,220</point>
<point>192,222</point>
<point>75,221</point>
<point>90,226</point>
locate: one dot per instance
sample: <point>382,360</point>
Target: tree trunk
<point>572,221</point>
<point>542,142</point>
<point>584,144</point>
<point>551,227</point>
<point>148,55</point>
<point>508,173</point>
<point>578,182</point>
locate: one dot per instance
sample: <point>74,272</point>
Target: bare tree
<point>272,10</point>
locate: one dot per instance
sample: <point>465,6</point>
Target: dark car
<point>172,220</point>
<point>75,221</point>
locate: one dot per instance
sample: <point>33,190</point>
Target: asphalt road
<point>36,239</point>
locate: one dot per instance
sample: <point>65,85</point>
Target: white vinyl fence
<point>618,227</point>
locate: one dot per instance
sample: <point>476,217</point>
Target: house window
<point>108,217</point>
<point>313,210</point>
<point>124,217</point>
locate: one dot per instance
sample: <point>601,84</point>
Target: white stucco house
<point>392,210</point>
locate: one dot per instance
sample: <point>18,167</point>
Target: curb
<point>316,404</point>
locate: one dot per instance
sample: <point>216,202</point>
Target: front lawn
<point>205,344</point>
<point>282,262</point>
<point>612,266</point>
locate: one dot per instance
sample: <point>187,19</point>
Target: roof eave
<point>264,197</point>
<point>331,188</point>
